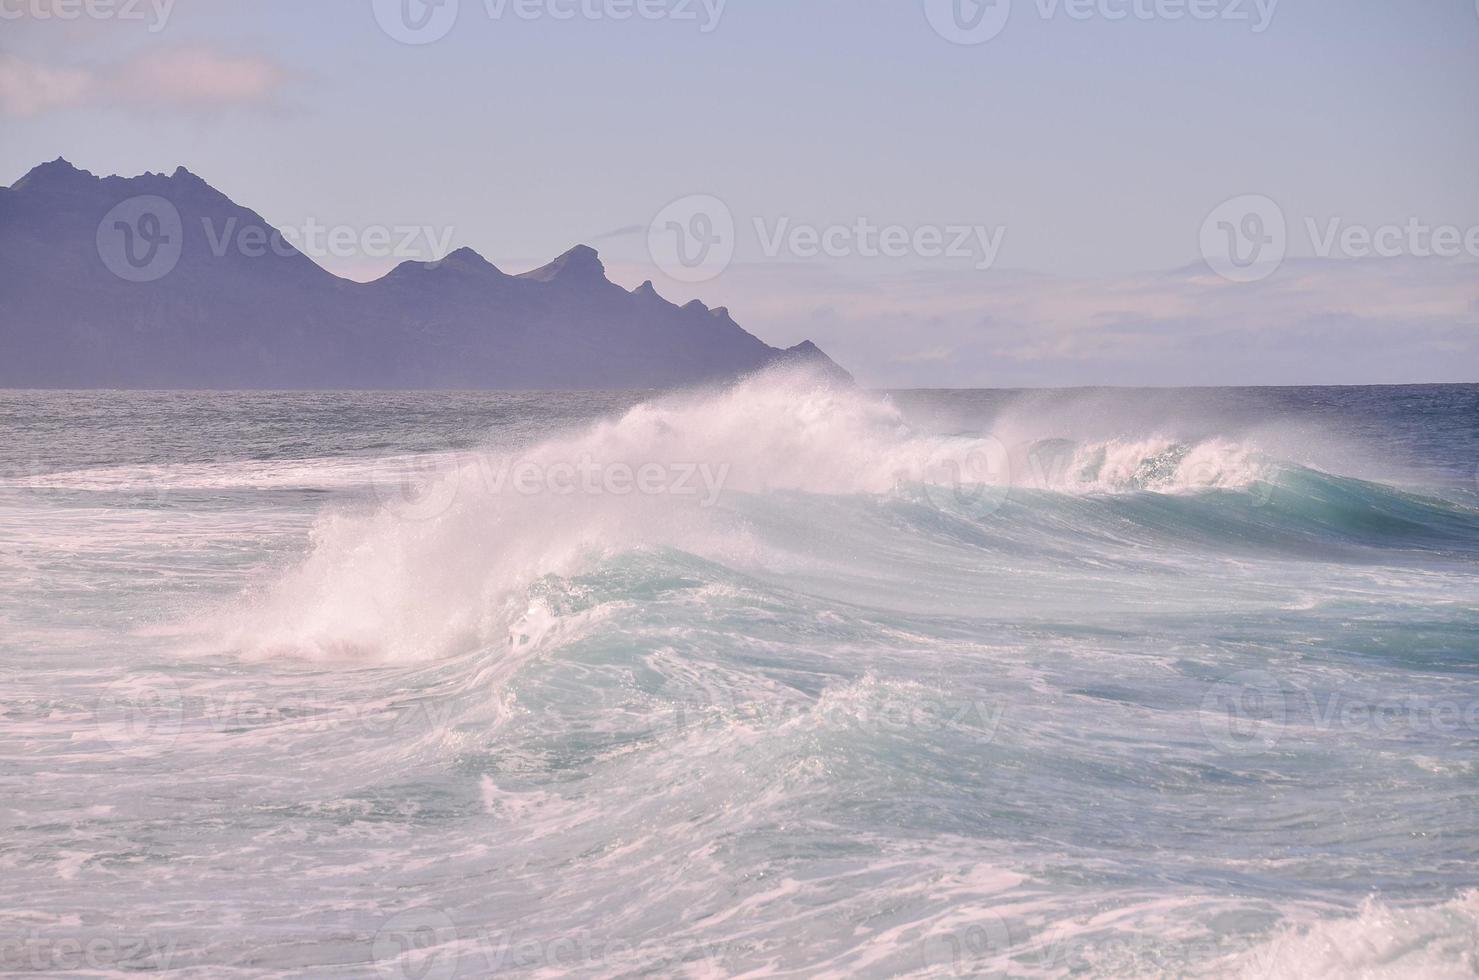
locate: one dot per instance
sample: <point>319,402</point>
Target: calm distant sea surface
<point>775,679</point>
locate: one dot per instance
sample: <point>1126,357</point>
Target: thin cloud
<point>199,77</point>
<point>926,356</point>
<point>175,78</point>
<point>625,231</point>
<point>1336,321</point>
<point>29,89</point>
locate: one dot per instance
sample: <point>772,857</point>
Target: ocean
<point>776,678</point>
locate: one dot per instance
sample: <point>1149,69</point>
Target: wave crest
<point>452,570</point>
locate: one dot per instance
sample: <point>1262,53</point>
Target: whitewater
<point>773,678</point>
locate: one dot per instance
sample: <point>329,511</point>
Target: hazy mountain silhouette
<point>163,281</point>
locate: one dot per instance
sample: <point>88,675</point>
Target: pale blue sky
<point>1098,146</point>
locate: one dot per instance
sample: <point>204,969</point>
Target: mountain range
<point>161,281</point>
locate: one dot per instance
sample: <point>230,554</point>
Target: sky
<point>938,192</point>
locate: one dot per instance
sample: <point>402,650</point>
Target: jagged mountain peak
<point>129,304</point>
<point>464,259</point>
<point>469,260</point>
<point>58,171</point>
<point>580,264</point>
<point>815,358</point>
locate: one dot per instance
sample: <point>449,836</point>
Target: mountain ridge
<point>163,281</point>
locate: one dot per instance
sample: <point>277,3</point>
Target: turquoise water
<point>778,679</point>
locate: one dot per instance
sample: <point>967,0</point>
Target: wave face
<point>775,678</point>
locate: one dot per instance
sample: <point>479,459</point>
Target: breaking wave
<point>444,557</point>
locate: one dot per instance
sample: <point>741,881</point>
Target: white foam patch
<point>1380,942</point>
<point>339,473</point>
<point>1159,465</point>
